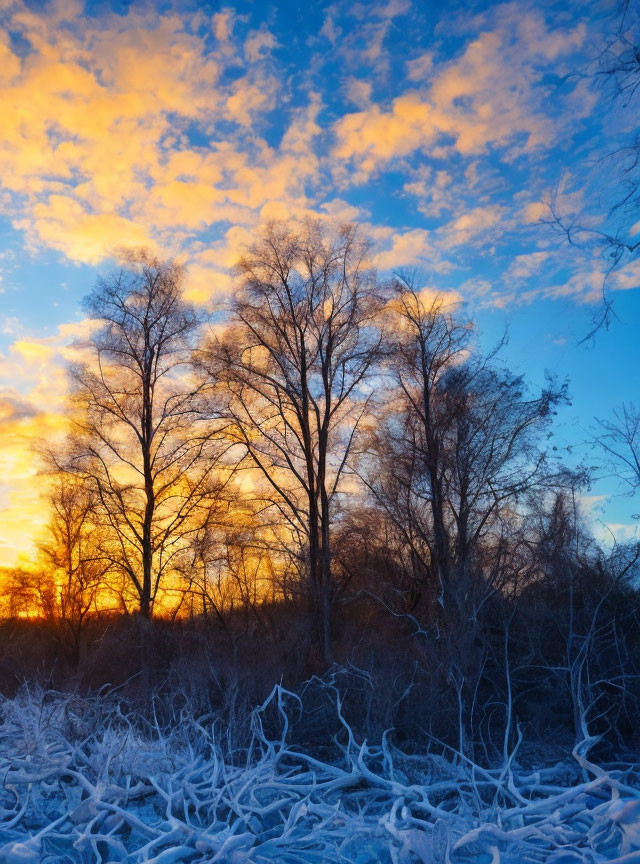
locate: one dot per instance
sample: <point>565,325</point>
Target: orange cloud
<point>486,98</point>
<point>411,247</point>
<point>23,511</point>
<point>33,387</point>
<point>535,211</point>
<point>99,116</point>
<point>473,224</point>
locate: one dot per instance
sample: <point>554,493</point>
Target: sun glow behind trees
<point>205,470</point>
<point>183,129</point>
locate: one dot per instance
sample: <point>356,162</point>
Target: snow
<point>85,781</point>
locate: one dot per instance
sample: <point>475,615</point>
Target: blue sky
<point>444,129</point>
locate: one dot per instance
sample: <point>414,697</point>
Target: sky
<point>444,129</point>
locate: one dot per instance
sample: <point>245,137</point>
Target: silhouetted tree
<point>292,366</point>
<point>424,342</point>
<point>27,593</point>
<point>458,443</point>
<point>71,557</point>
<point>138,444</point>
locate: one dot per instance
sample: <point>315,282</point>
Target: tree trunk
<point>147,527</point>
<point>145,605</point>
<point>440,536</point>
<point>327,582</point>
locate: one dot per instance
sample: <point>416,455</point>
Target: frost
<point>83,781</point>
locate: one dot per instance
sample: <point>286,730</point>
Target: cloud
<point>434,190</point>
<point>22,508</point>
<point>420,68</point>
<point>408,248</point>
<point>524,266</point>
<point>358,91</point>
<point>33,389</point>
<point>10,324</point>
<point>64,224</point>
<point>140,128</point>
<point>609,533</point>
<point>492,96</point>
<point>151,128</point>
<point>392,8</point>
<point>627,278</point>
<point>535,211</point>
<point>15,409</point>
<point>477,223</point>
<point>375,136</point>
<point>258,44</point>
<point>586,282</point>
<point>358,34</point>
<point>206,284</point>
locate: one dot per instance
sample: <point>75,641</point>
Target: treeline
<point>330,472</point>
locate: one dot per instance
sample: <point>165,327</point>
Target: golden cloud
<point>486,98</point>
<point>24,512</point>
<point>33,388</point>
<point>100,118</point>
<point>408,248</point>
<point>476,223</point>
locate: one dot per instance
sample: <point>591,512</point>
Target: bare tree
<point>619,438</point>
<point>458,443</point>
<point>618,77</point>
<point>425,341</point>
<point>293,365</point>
<point>619,72</point>
<point>138,443</point>
<point>27,593</point>
<point>72,558</point>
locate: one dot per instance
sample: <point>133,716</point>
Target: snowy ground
<point>81,783</point>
